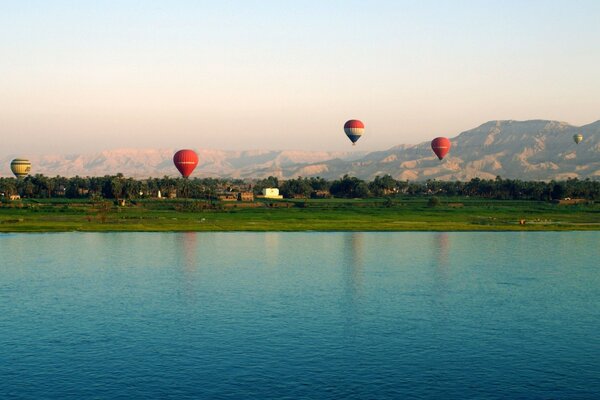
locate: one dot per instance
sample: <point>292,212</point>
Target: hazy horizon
<point>79,77</point>
<point>349,149</point>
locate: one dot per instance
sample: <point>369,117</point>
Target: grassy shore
<point>409,214</point>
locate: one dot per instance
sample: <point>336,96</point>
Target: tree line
<point>120,187</point>
<point>383,186</point>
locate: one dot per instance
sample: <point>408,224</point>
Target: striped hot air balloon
<point>441,146</point>
<point>577,138</point>
<point>20,167</point>
<point>354,130</point>
<point>185,161</point>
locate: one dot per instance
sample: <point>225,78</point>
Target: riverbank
<point>410,214</point>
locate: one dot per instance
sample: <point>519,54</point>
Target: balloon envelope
<point>185,161</point>
<point>577,138</point>
<point>440,146</point>
<point>354,130</point>
<point>20,167</point>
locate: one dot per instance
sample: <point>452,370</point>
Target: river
<point>300,315</point>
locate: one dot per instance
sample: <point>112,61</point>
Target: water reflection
<point>189,249</point>
<point>271,241</point>
<point>353,265</point>
<point>442,248</point>
<point>441,264</point>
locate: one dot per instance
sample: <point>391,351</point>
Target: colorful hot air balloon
<point>185,161</point>
<point>354,130</point>
<point>577,138</point>
<point>20,167</point>
<point>441,146</point>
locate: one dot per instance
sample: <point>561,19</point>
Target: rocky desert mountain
<point>528,150</point>
<point>143,163</point>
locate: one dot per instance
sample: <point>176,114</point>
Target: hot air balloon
<point>578,137</point>
<point>185,161</point>
<point>441,146</point>
<point>20,167</point>
<point>354,130</point>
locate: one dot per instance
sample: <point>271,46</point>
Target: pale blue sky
<point>80,76</point>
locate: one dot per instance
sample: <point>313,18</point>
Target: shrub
<point>433,202</point>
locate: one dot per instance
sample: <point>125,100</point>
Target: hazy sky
<point>78,76</point>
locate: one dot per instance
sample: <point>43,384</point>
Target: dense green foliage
<point>120,187</point>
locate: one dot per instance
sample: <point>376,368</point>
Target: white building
<point>271,193</point>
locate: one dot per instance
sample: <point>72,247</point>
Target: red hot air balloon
<point>185,161</point>
<point>354,130</point>
<point>441,146</point>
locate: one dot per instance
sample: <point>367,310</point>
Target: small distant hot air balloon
<point>20,167</point>
<point>354,130</point>
<point>441,146</point>
<point>185,161</point>
<point>577,138</point>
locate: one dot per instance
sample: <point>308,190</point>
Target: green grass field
<point>409,214</point>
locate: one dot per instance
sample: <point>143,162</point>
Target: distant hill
<point>529,150</point>
<point>143,163</point>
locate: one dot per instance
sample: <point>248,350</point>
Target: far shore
<point>397,214</point>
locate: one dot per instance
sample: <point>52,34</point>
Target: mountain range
<point>528,150</point>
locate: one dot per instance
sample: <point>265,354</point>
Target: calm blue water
<point>300,315</point>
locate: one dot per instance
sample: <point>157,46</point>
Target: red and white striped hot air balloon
<point>354,130</point>
<point>185,161</point>
<point>441,146</point>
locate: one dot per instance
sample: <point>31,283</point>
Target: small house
<point>320,194</point>
<point>228,196</point>
<point>246,196</point>
<point>271,193</point>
